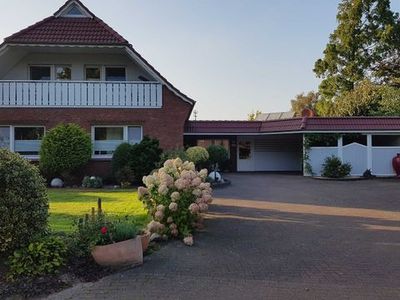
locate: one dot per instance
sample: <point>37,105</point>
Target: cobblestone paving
<point>276,237</point>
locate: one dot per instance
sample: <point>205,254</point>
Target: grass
<point>68,205</point>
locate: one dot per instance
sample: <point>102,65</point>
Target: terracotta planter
<point>145,238</point>
<point>396,164</point>
<point>124,253</point>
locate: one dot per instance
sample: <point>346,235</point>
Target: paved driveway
<point>277,236</point>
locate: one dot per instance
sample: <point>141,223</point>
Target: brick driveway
<point>277,236</point>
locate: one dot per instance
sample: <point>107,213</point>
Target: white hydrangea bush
<point>176,195</point>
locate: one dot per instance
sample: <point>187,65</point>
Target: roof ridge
<point>111,30</point>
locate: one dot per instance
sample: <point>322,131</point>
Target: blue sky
<point>231,56</point>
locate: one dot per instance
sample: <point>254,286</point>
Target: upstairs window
<point>27,140</point>
<point>40,73</point>
<point>63,72</point>
<point>115,74</point>
<point>93,73</point>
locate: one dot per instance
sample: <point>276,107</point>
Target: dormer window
<point>74,11</point>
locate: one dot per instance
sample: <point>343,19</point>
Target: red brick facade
<point>166,124</point>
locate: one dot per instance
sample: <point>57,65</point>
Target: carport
<point>277,145</point>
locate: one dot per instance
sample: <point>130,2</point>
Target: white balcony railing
<point>81,94</point>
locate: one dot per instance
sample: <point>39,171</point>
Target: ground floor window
<point>5,137</point>
<point>27,140</point>
<point>107,138</point>
<point>244,150</point>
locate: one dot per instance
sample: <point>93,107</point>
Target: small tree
<point>23,202</point>
<point>65,149</point>
<point>217,155</point>
<point>145,157</point>
<point>198,155</point>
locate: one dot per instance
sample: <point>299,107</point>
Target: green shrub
<point>41,257</point>
<point>145,157</point>
<point>23,202</point>
<point>198,155</point>
<point>140,158</point>
<point>172,154</point>
<point>334,168</point>
<point>65,149</point>
<point>125,176</point>
<point>123,231</point>
<point>121,157</point>
<point>92,182</point>
<point>217,154</point>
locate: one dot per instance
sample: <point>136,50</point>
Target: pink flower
<point>197,192</point>
<point>161,208</point>
<point>163,189</point>
<point>203,207</point>
<point>173,206</point>
<point>194,208</point>
<point>188,240</point>
<point>173,226</point>
<point>175,196</point>
<point>170,220</point>
<point>159,215</point>
<point>155,226</point>
<point>174,232</point>
<point>142,191</point>
<point>196,182</point>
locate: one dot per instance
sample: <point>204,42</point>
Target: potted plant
<point>111,243</point>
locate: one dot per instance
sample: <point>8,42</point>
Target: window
<point>354,138</point>
<point>5,137</point>
<point>74,11</point>
<point>27,140</point>
<point>93,74</point>
<point>134,134</point>
<point>244,150</point>
<point>40,73</point>
<point>108,138</point>
<point>63,73</point>
<point>115,74</point>
<point>221,142</point>
<point>386,140</point>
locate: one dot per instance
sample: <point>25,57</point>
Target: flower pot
<point>396,164</point>
<point>126,253</point>
<point>145,238</point>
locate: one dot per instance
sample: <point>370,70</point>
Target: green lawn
<point>68,205</point>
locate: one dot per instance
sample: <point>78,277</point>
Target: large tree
<point>367,31</point>
<point>302,101</point>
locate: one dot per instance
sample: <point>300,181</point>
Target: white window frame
<point>11,135</point>
<point>62,66</point>
<point>125,138</point>
<point>104,71</point>
<point>12,138</point>
<point>52,70</point>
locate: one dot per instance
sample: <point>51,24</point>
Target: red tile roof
<point>294,125</point>
<point>78,31</point>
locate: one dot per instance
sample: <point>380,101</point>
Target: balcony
<point>80,94</point>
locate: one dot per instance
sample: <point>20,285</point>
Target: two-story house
<point>73,68</point>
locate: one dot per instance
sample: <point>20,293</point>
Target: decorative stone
<point>57,183</point>
<point>215,176</point>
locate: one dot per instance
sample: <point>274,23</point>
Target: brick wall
<point>165,124</point>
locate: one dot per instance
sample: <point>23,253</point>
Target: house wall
<point>166,124</point>
<point>20,71</point>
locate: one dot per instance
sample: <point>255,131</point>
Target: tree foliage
<point>253,115</point>
<point>302,101</point>
<point>367,32</point>
<point>64,149</point>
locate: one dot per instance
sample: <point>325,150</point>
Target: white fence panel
<point>382,160</point>
<point>317,156</point>
<point>356,155</point>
